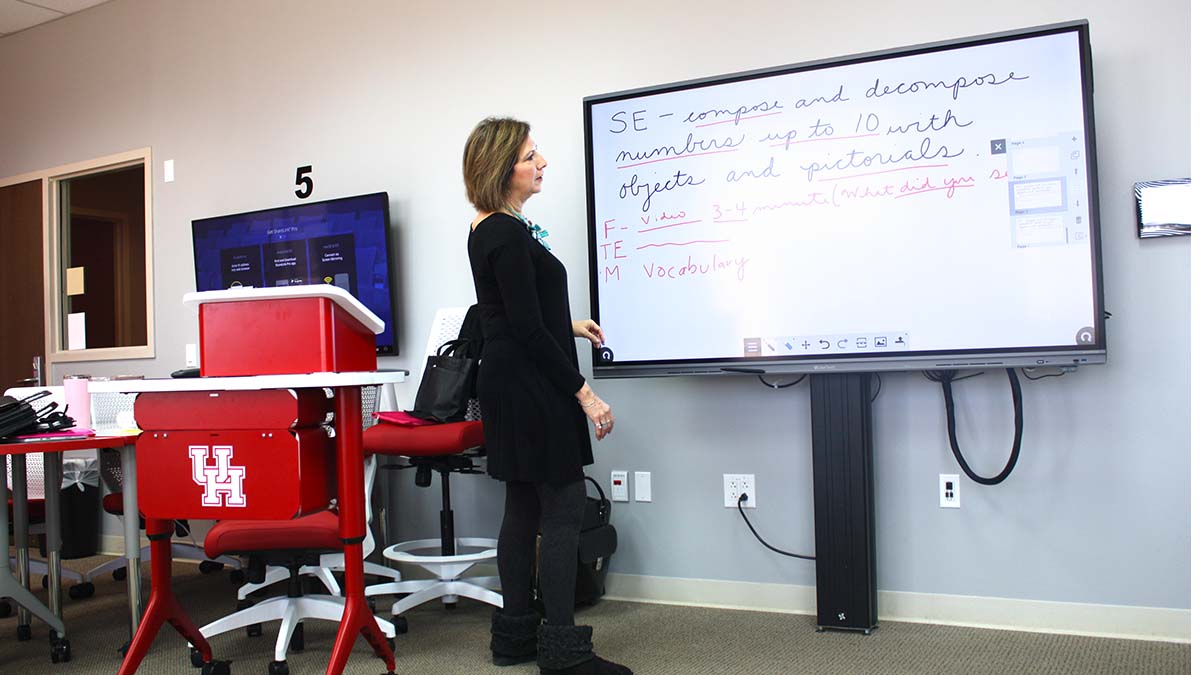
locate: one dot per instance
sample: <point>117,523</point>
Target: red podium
<point>252,445</point>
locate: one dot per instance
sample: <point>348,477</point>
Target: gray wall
<point>380,96</point>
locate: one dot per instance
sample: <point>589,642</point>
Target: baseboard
<point>1119,621</point>
<point>114,544</point>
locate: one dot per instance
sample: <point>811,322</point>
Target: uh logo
<point>223,482</point>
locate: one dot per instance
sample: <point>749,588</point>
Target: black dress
<point>533,427</point>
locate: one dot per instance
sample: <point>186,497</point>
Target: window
<point>100,269</point>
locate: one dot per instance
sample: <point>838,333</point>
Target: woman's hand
<point>598,412</point>
<point>590,330</point>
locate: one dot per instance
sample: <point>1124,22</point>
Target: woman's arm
<point>598,412</point>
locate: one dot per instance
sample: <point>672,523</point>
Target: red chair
<point>293,544</point>
<point>444,448</point>
<point>114,413</point>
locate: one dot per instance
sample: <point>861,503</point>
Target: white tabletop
<point>340,296</point>
<point>253,382</point>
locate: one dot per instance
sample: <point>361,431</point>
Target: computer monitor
<point>343,242</point>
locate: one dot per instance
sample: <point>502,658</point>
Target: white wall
<point>381,95</point>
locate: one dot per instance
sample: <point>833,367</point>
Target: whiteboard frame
<point>1033,356</point>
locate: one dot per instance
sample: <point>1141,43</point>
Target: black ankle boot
<point>514,638</point>
<point>567,650</point>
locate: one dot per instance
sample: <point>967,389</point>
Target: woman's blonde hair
<point>491,153</point>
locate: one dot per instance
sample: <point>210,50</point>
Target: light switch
<point>641,486</point>
<point>169,171</point>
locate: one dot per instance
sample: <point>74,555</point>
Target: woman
<point>537,409</point>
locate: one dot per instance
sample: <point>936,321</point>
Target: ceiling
<point>17,15</point>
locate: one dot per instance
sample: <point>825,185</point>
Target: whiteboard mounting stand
<point>844,502</point>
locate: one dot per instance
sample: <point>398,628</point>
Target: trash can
<point>80,508</point>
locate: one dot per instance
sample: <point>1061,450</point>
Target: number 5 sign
<point>303,181</point>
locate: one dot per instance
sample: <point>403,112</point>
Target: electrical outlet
<point>948,491</point>
<point>190,358</point>
<point>737,484</point>
<point>620,486</point>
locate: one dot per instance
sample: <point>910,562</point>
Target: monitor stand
<point>844,502</point>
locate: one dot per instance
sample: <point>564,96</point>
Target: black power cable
<point>743,498</point>
<point>776,385</point>
<point>946,378</point>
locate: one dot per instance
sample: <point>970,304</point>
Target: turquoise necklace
<point>538,232</point>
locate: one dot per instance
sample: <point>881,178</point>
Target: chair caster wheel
<point>371,604</point>
<point>124,649</point>
<point>24,633</point>
<point>210,566</point>
<point>53,637</point>
<point>215,668</point>
<point>119,574</point>
<point>237,577</point>
<point>5,609</point>
<point>450,605</point>
<point>60,651</point>
<point>401,624</point>
<point>254,630</point>
<point>45,582</point>
<point>277,668</point>
<point>80,591</point>
<point>197,658</point>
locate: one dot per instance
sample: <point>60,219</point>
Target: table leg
<point>133,562</point>
<point>20,497</point>
<point>53,463</point>
<point>60,646</point>
<point>352,523</point>
<point>163,606</point>
<point>9,586</point>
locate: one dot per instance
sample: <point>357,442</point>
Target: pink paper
<point>402,418</point>
<point>75,432</point>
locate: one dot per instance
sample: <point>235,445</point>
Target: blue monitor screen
<point>341,242</point>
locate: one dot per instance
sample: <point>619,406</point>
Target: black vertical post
<point>844,501</point>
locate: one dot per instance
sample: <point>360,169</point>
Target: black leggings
<point>558,510</point>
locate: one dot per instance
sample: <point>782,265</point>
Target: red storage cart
<point>255,443</point>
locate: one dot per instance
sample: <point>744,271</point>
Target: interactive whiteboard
<point>929,207</point>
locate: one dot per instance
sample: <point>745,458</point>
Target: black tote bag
<point>447,384</point>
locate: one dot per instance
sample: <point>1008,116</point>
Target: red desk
<point>18,590</point>
<point>163,606</point>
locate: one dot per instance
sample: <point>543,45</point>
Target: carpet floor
<point>651,639</point>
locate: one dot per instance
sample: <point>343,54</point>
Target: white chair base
<point>291,611</point>
<point>330,563</point>
<point>449,583</point>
